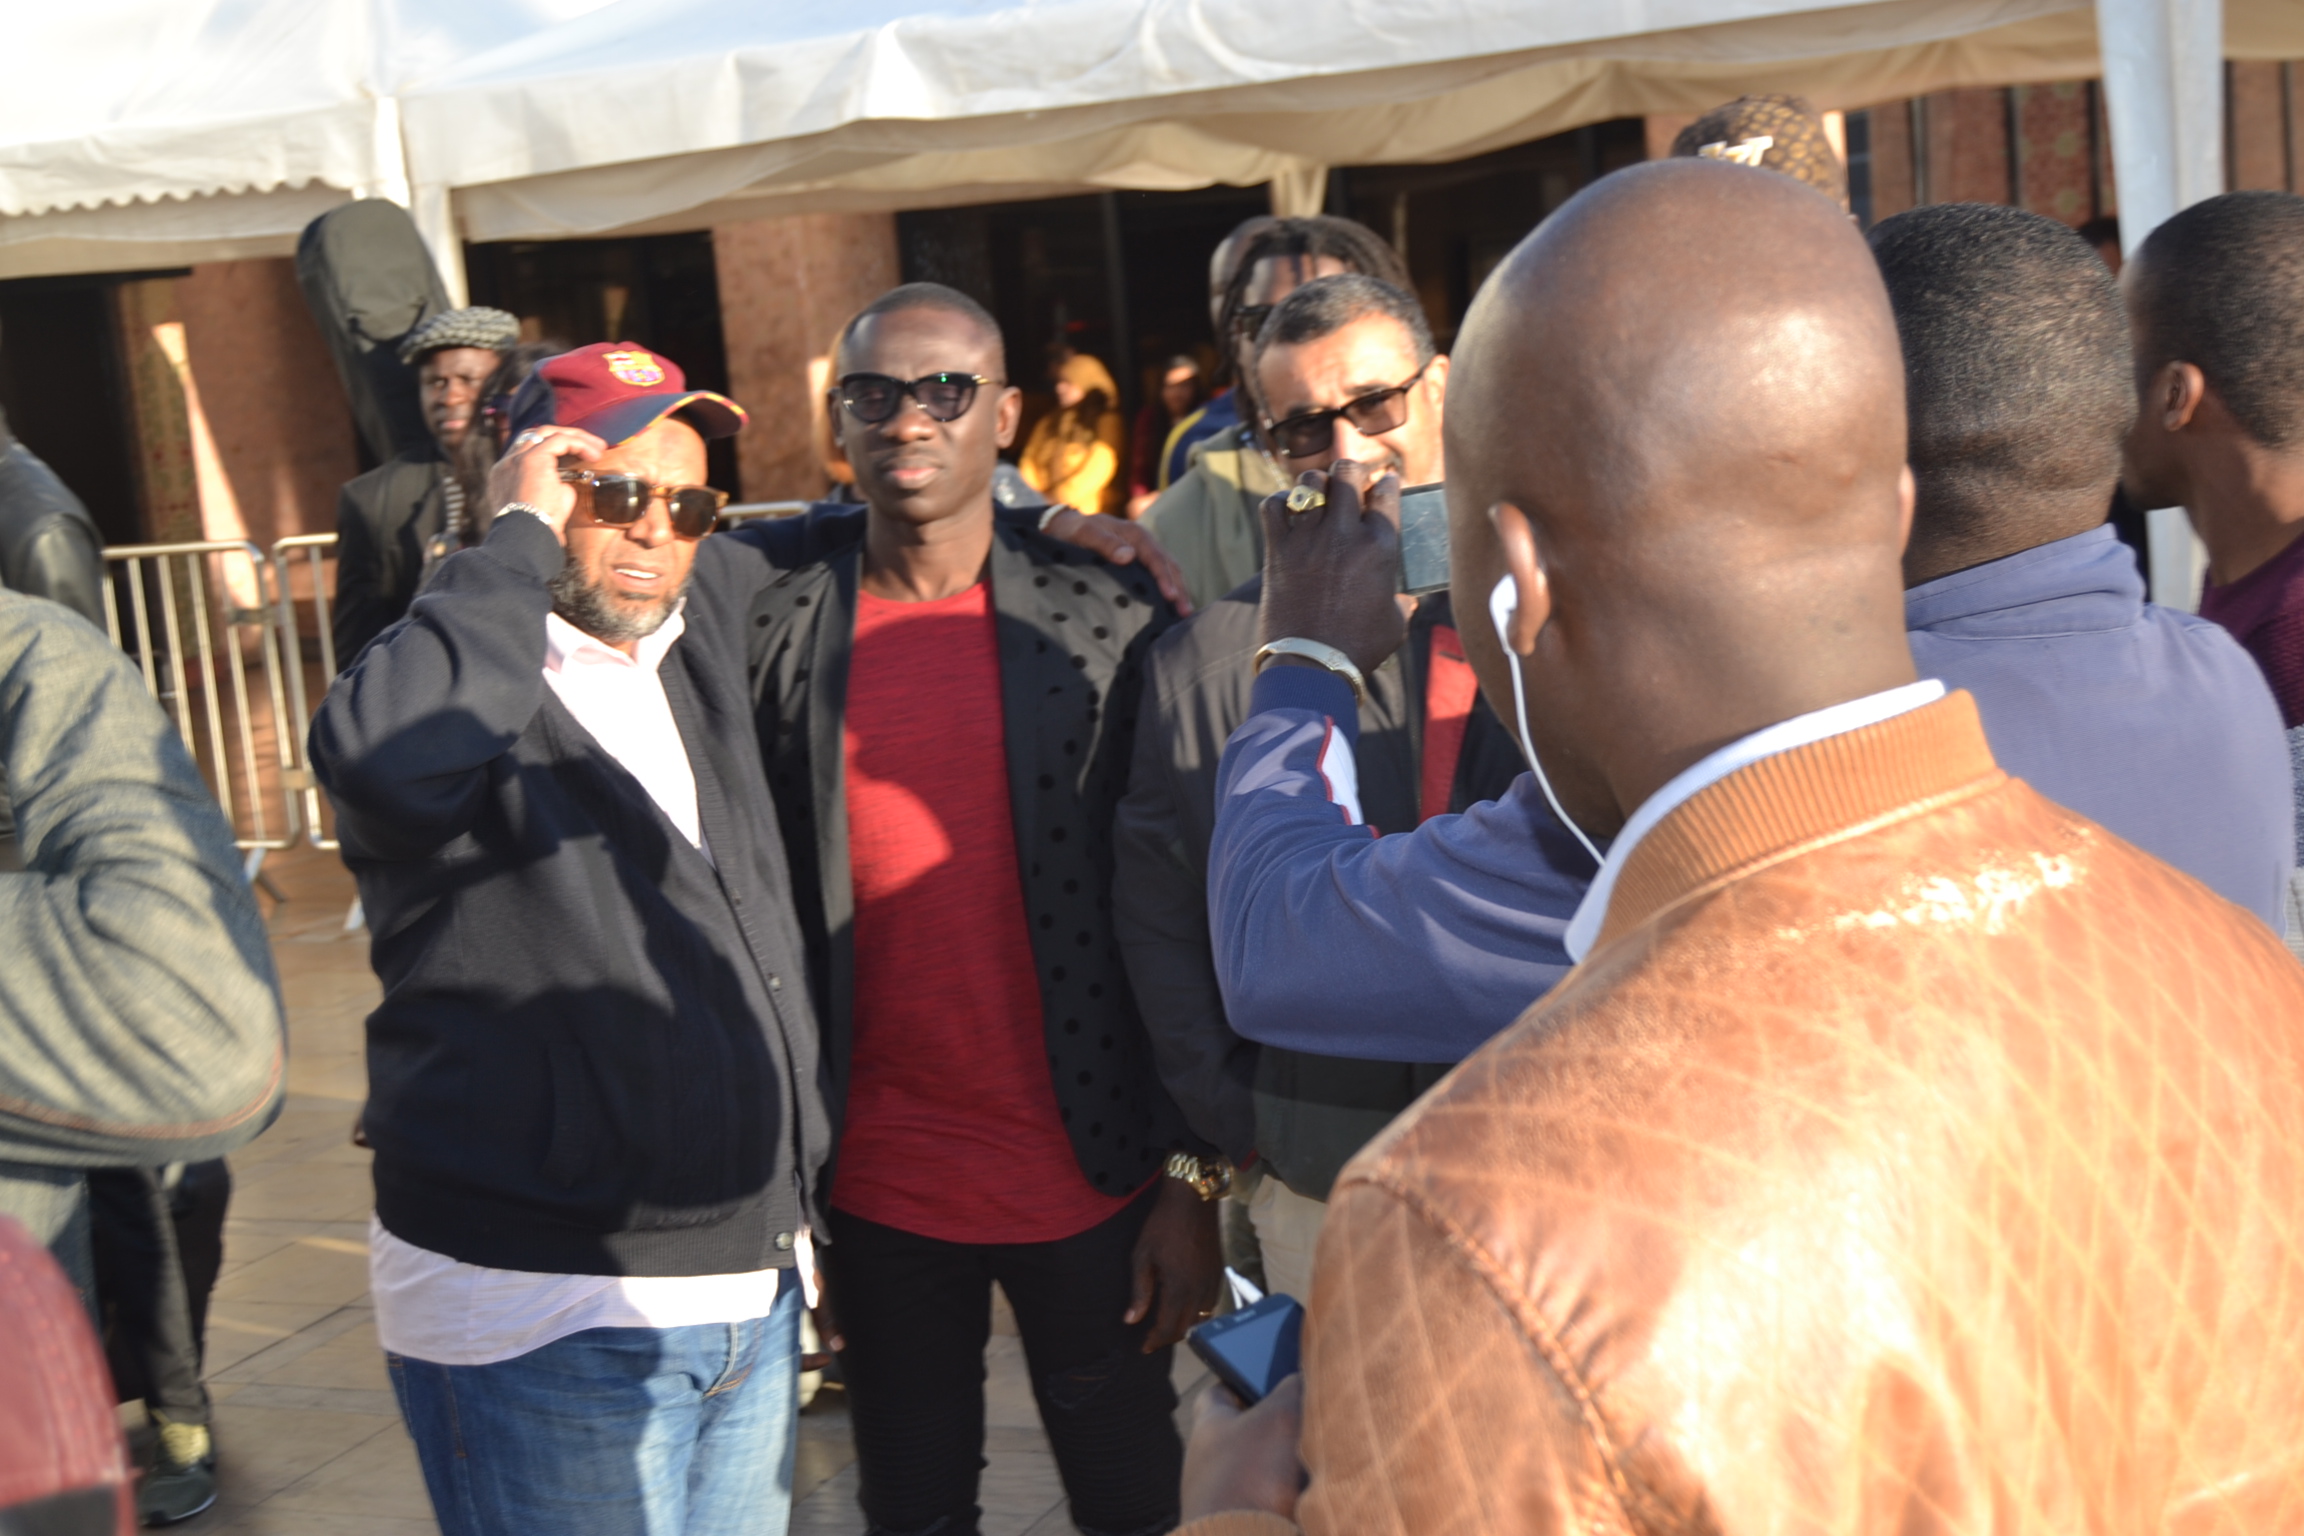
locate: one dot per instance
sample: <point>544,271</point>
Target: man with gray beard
<point>594,1090</point>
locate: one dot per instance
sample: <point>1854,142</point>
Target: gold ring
<point>1303,498</point>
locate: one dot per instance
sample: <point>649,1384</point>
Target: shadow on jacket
<point>593,1054</point>
<point>140,1018</point>
<point>384,519</point>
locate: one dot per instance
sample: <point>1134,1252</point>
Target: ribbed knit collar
<point>1807,795</point>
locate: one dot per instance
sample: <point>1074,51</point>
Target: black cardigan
<point>594,1054</point>
<point>1073,637</point>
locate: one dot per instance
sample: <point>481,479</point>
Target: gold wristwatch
<point>1209,1177</point>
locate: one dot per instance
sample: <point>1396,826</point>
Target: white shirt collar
<point>1799,731</point>
<point>566,645</point>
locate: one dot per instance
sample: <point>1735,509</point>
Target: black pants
<point>159,1242</point>
<point>917,1314</point>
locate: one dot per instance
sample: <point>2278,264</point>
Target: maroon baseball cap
<point>616,391</point>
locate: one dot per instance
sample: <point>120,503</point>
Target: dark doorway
<point>660,291</point>
<point>1456,222</point>
<point>1049,272</point>
<point>1046,270</point>
<point>62,385</point>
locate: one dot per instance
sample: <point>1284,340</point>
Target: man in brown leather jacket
<point>1905,1154</point>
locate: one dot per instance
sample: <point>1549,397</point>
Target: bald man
<point>1905,1153</point>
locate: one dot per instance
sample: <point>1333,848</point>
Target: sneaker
<point>182,1481</point>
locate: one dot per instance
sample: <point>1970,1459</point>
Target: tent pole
<point>2164,101</point>
<point>434,211</point>
<point>1116,297</point>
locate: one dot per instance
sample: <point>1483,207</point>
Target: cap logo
<point>638,369</point>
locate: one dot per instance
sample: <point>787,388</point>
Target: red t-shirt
<point>1449,689</point>
<point>951,1130</point>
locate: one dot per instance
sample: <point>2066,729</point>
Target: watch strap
<point>1320,653</point>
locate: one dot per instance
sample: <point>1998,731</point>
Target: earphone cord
<point>1497,613</point>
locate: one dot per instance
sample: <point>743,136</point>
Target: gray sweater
<point>140,1018</point>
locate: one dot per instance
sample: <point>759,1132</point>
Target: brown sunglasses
<point>1372,415</point>
<point>619,501</point>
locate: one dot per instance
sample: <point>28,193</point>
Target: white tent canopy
<point>141,133</point>
<point>683,113</point>
<point>156,132</point>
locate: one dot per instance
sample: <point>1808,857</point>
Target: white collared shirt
<point>620,700</point>
<point>432,1307</point>
<point>1799,731</point>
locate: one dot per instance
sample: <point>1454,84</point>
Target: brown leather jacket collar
<point>1780,805</point>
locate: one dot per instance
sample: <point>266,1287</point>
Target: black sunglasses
<point>1312,433</point>
<point>873,398</point>
<point>622,500</point>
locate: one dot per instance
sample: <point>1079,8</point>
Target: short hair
<point>1326,305</point>
<point>1357,246</point>
<point>1798,148</point>
<point>926,296</point>
<point>2223,289</point>
<point>2017,372</point>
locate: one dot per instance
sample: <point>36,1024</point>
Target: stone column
<point>1967,146</point>
<point>242,429</point>
<point>166,484</point>
<point>786,287</point>
<point>276,410</point>
<point>2055,149</point>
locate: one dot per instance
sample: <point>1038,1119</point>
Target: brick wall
<point>275,407</point>
<point>786,287</point>
<point>233,346</point>
<point>2047,147</point>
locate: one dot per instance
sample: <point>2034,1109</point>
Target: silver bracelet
<point>1048,514</point>
<point>511,507</point>
<point>1320,654</point>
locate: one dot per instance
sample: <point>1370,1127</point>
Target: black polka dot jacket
<point>1073,637</point>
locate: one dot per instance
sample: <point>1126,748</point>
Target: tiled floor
<point>309,1443</point>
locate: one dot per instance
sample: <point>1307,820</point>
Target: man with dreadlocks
<point>385,518</point>
<point>1207,518</point>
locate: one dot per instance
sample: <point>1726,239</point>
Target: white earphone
<point>1501,607</point>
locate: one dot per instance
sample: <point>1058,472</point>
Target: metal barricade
<point>311,554</point>
<point>202,616</point>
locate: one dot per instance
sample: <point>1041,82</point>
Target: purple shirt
<point>2265,612</point>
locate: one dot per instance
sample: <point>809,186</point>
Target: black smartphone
<point>1424,539</point>
<point>1254,1349</point>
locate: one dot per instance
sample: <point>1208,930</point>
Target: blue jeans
<point>615,1432</point>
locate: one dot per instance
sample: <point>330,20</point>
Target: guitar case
<point>369,281</point>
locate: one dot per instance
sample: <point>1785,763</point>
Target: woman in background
<point>1182,391</point>
<point>1073,456</point>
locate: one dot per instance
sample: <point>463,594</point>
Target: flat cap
<point>475,326</point>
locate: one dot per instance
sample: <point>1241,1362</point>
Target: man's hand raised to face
<point>1332,572</point>
<point>529,473</point>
